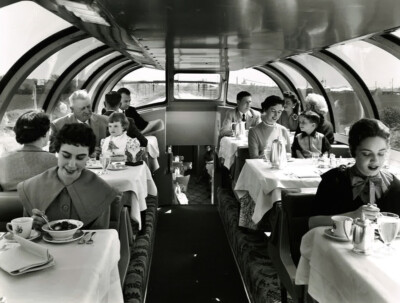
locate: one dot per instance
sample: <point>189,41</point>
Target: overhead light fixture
<point>84,11</point>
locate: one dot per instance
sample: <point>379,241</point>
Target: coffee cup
<point>21,226</point>
<point>341,226</point>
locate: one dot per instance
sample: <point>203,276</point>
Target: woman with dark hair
<point>32,131</point>
<point>347,190</point>
<point>69,191</point>
<point>290,115</point>
<point>262,135</point>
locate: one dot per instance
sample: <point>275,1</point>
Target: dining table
<point>136,182</point>
<point>261,186</point>
<point>228,149</point>
<point>84,273</point>
<point>334,273</point>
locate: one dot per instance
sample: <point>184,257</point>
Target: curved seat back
<point>10,208</point>
<point>284,247</point>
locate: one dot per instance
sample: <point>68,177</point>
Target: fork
<point>90,241</point>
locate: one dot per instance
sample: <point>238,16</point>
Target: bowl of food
<point>62,229</point>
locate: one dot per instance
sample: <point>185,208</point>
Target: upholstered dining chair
<point>10,208</point>
<point>293,213</point>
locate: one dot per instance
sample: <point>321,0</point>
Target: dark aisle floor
<point>199,190</point>
<point>192,260</point>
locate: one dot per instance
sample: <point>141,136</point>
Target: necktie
<point>358,184</point>
<point>243,117</point>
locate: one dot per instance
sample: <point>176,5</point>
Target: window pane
<point>62,107</point>
<point>301,84</point>
<point>396,33</point>
<point>380,71</point>
<point>33,91</point>
<point>100,80</point>
<point>197,86</point>
<point>258,84</point>
<point>347,108</point>
<point>22,26</point>
<point>147,86</point>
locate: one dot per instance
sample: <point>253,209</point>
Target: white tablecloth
<point>135,179</point>
<point>154,152</point>
<point>265,184</point>
<point>335,274</point>
<point>82,273</point>
<point>228,147</point>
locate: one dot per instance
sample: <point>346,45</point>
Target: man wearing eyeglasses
<point>242,113</point>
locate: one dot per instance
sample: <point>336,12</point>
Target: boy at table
<point>309,141</point>
<point>262,135</point>
<point>69,190</point>
<point>348,190</point>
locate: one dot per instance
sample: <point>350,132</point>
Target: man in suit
<point>81,107</point>
<point>242,112</point>
<point>130,111</point>
<point>112,103</point>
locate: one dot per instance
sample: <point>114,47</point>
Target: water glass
<point>388,228</point>
<point>314,157</point>
<point>267,154</point>
<point>105,162</point>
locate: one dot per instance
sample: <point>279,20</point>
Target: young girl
<point>347,190</point>
<point>119,143</point>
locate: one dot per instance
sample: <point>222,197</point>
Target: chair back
<point>10,208</point>
<point>284,246</point>
<point>126,239</point>
<point>340,150</point>
<point>240,160</point>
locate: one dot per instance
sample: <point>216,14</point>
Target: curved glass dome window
<point>62,105</point>
<point>346,106</point>
<point>92,90</point>
<point>380,71</point>
<point>24,24</point>
<point>33,91</point>
<point>147,86</point>
<point>258,84</point>
<point>191,86</point>
<point>301,84</point>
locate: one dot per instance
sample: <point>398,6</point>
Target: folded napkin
<point>27,257</point>
<point>305,173</point>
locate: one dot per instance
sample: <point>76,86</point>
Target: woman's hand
<point>38,221</point>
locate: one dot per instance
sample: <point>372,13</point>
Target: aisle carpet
<point>192,261</point>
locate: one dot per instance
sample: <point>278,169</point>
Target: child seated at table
<point>309,141</point>
<point>119,143</point>
<point>350,190</point>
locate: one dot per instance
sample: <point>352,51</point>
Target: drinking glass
<point>105,162</point>
<point>267,154</point>
<point>233,127</point>
<point>314,157</point>
<point>388,228</point>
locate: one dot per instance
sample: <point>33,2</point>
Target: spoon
<point>48,224</point>
<point>90,241</point>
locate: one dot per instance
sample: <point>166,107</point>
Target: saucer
<point>328,232</point>
<point>34,235</point>
<point>79,234</point>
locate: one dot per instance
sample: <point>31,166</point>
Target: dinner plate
<point>34,235</point>
<point>117,168</point>
<point>79,234</point>
<point>328,232</point>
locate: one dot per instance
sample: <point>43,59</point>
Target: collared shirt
<point>304,145</point>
